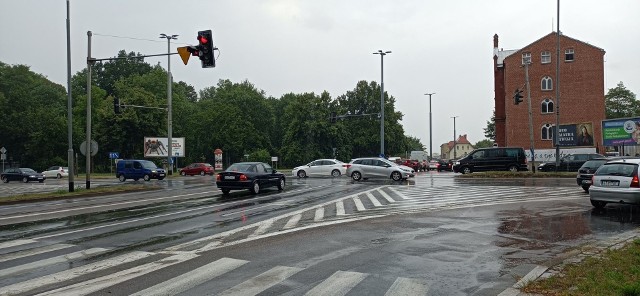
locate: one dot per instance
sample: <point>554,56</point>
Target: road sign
<point>113,155</point>
<point>3,150</point>
<point>184,54</point>
<point>94,148</point>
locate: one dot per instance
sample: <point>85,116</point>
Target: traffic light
<point>517,97</point>
<point>116,105</point>
<point>205,49</point>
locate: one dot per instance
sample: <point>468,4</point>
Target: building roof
<point>502,54</point>
<point>462,139</point>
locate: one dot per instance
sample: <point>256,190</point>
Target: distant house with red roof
<point>460,148</point>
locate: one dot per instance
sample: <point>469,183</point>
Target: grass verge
<point>78,192</point>
<point>613,272</point>
<point>498,174</point>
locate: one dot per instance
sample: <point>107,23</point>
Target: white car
<point>321,167</point>
<point>56,172</point>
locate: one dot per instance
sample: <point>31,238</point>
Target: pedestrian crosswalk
<point>86,275</point>
<point>31,266</point>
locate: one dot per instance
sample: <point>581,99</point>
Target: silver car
<point>321,167</point>
<point>616,182</point>
<point>376,167</point>
<point>56,172</point>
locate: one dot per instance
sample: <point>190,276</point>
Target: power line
<point>134,38</point>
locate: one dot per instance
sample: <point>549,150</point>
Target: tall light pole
<point>430,128</point>
<point>382,54</point>
<point>557,131</point>
<point>70,161</point>
<point>169,107</point>
<point>454,136</point>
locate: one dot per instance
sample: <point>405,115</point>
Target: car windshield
<point>29,171</point>
<point>240,167</point>
<point>617,169</point>
<point>593,163</point>
<point>148,164</point>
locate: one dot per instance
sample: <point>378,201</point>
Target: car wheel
<point>598,204</point>
<point>225,191</point>
<point>58,176</point>
<point>281,184</point>
<point>202,173</point>
<point>466,170</point>
<point>25,180</point>
<point>5,180</point>
<point>396,176</point>
<point>122,178</point>
<point>183,173</point>
<point>513,168</point>
<point>335,173</point>
<point>147,177</point>
<point>255,187</point>
<point>302,174</point>
<point>356,176</point>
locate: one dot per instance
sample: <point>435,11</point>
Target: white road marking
<point>359,206</point>
<point>339,283</point>
<point>398,193</point>
<point>34,251</point>
<point>100,283</point>
<point>15,243</point>
<point>193,278</point>
<point>406,286</point>
<point>373,200</point>
<point>340,208</point>
<point>319,215</point>
<point>293,221</point>
<point>70,274</point>
<point>264,226</point>
<point>262,282</point>
<point>50,261</point>
<point>386,196</point>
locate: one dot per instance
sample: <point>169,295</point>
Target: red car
<point>197,168</point>
<point>414,164</point>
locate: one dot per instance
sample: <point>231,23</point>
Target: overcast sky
<point>284,46</point>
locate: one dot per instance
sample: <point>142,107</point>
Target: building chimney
<point>495,41</point>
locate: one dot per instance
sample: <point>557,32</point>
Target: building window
<point>547,131</point>
<point>547,83</point>
<point>568,55</point>
<point>546,57</point>
<point>547,106</point>
<point>526,58</point>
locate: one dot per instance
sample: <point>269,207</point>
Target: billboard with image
<point>621,132</point>
<point>158,147</point>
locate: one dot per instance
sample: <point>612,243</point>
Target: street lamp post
<point>382,54</point>
<point>454,136</point>
<point>430,128</point>
<point>169,107</point>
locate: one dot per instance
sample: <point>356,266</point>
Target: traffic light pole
<point>87,146</point>
<point>532,149</point>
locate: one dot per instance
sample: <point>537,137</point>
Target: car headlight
<point>153,171</point>
<point>457,162</point>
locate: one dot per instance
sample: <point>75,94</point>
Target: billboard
<point>158,147</point>
<point>621,132</point>
<point>579,134</point>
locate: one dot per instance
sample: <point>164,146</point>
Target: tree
<point>621,102</point>
<point>483,144</point>
<point>490,130</point>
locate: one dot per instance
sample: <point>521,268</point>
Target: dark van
<point>138,169</point>
<point>492,159</point>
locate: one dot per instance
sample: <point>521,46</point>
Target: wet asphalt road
<point>433,235</point>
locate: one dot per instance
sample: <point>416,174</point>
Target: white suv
<point>372,167</point>
<point>56,172</point>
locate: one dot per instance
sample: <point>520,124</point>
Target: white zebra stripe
<point>338,284</point>
<point>50,261</point>
<point>262,282</point>
<point>373,200</point>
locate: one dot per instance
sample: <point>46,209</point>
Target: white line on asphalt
<point>338,284</point>
<point>50,261</point>
<point>293,221</point>
<point>319,215</point>
<point>193,278</point>
<point>373,200</point>
<point>15,243</point>
<point>359,206</point>
<point>406,286</point>
<point>34,251</point>
<point>340,208</point>
<point>70,274</point>
<point>101,206</point>
<point>386,196</point>
<point>264,226</point>
<point>262,282</point>
<point>97,284</point>
<point>398,193</point>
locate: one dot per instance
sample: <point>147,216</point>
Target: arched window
<point>547,131</point>
<point>546,106</point>
<point>547,83</point>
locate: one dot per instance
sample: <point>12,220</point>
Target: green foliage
<point>621,102</point>
<point>490,130</point>
<point>483,144</point>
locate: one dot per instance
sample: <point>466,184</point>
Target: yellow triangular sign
<point>184,54</point>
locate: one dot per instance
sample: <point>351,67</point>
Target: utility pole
<point>454,137</point>
<point>430,128</point>
<point>531,149</point>
<point>169,98</point>
<point>557,133</point>
<point>382,54</point>
<point>88,143</point>
<point>70,161</point>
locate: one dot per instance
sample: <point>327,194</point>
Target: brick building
<point>462,148</point>
<point>581,93</point>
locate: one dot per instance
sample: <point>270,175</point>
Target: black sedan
<point>21,174</point>
<point>249,175</point>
